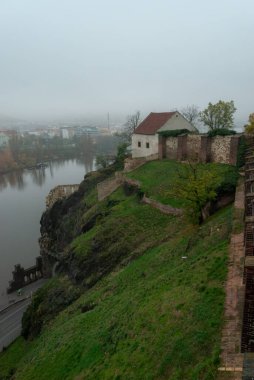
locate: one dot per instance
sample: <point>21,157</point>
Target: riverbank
<point>148,283</point>
<point>19,167</point>
<point>22,201</point>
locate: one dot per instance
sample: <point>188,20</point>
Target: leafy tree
<point>14,144</point>
<point>121,155</point>
<point>85,145</point>
<point>219,115</point>
<point>102,161</point>
<point>249,128</point>
<point>196,187</point>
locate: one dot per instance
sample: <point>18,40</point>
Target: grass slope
<point>157,318</point>
<point>157,177</point>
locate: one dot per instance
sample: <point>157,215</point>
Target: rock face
<point>61,222</point>
<point>60,192</point>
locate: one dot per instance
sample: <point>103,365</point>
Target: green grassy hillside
<point>152,300</point>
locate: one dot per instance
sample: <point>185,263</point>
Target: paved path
<point>231,357</point>
<point>11,313</point>
<point>9,299</point>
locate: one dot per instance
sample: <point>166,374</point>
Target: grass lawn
<point>157,177</point>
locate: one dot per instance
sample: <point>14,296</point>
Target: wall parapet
<point>108,186</point>
<point>165,209</point>
<point>60,192</point>
<point>202,148</point>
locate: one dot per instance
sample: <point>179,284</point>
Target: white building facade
<point>145,140</point>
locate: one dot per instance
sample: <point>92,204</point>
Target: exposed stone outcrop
<point>60,192</point>
<point>59,223</point>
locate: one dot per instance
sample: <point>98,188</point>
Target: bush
<point>121,155</point>
<point>174,132</point>
<point>46,304</point>
<point>221,132</point>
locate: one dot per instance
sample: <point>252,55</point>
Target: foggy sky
<point>61,58</point>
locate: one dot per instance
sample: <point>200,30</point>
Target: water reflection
<point>18,179</point>
<point>38,176</point>
<point>14,179</point>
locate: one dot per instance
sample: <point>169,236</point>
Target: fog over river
<point>22,202</point>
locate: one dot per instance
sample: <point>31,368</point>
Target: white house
<point>145,139</point>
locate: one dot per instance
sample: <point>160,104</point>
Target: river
<point>22,202</point>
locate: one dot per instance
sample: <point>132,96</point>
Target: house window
<point>139,144</point>
<point>147,145</point>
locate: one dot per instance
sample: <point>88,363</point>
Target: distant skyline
<point>78,58</point>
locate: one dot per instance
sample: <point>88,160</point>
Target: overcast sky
<point>63,58</point>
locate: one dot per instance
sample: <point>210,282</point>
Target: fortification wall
<point>221,149</point>
<point>60,192</point>
<point>107,187</point>
<point>171,148</point>
<point>193,147</point>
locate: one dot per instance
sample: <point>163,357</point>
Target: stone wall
<point>105,188</point>
<point>221,149</point>
<point>165,209</point>
<point>133,163</point>
<point>60,192</point>
<point>193,146</point>
<point>171,148</point>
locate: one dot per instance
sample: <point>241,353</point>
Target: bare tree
<point>131,124</point>
<point>191,113</point>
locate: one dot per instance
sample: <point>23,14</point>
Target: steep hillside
<point>148,289</point>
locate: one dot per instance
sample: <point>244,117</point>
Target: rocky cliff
<point>62,222</point>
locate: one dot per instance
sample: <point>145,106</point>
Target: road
<point>11,314</point>
<point>10,323</point>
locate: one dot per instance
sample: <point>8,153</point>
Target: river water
<point>22,202</point>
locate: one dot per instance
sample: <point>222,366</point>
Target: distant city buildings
<point>5,136</point>
<point>66,132</point>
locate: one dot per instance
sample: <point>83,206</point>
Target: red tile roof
<point>153,122</point>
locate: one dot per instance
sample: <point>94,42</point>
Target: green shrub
<point>46,304</point>
<point>221,132</point>
<point>174,132</point>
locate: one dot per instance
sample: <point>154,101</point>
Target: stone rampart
<point>193,147</point>
<point>133,163</point>
<point>201,148</point>
<point>105,188</point>
<point>165,209</point>
<point>220,149</point>
<point>60,192</point>
<point>171,148</point>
